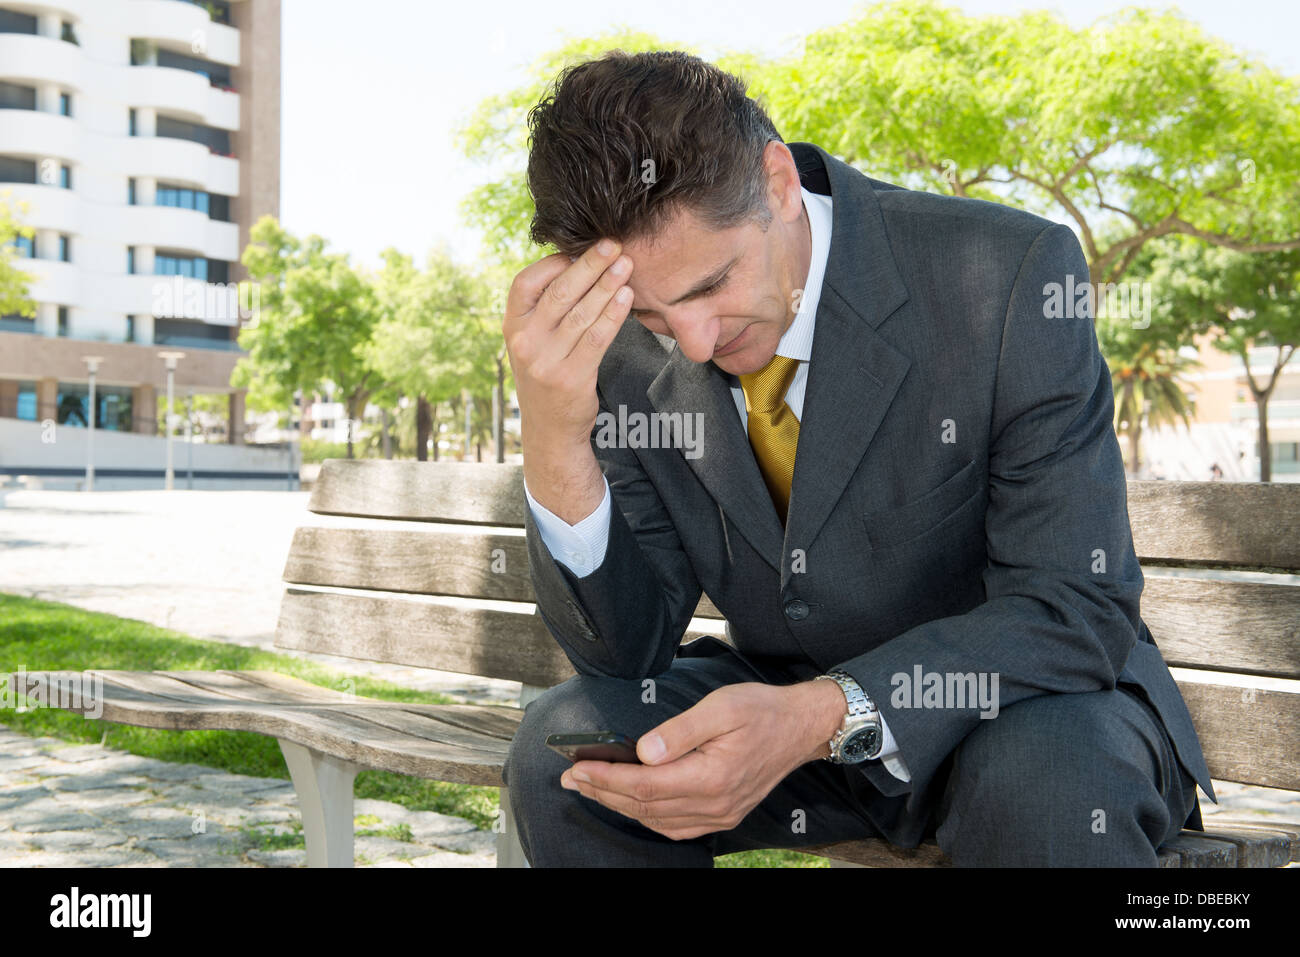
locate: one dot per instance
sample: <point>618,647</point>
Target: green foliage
<point>316,314</point>
<point>318,450</point>
<point>496,134</point>
<point>1137,126</point>
<point>13,281</point>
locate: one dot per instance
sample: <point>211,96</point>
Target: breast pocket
<point>899,524</point>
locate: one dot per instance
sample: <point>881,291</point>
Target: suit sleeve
<point>1062,582</point>
<point>626,618</point>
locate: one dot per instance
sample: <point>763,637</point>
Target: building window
<point>219,207</point>
<point>182,197</point>
<point>63,321</point>
<point>216,140</point>
<point>11,22</point>
<point>65,249</point>
<point>65,177</point>
<point>17,170</point>
<point>67,34</point>
<point>191,267</point>
<point>16,323</point>
<point>130,260</point>
<point>25,246</point>
<point>130,122</point>
<point>218,270</point>
<point>130,328</point>
<point>16,97</point>
<point>65,104</point>
<point>130,191</point>
<point>215,73</point>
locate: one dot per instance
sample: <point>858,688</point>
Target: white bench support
<point>324,786</point>
<point>510,853</point>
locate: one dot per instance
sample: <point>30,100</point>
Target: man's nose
<point>696,332</point>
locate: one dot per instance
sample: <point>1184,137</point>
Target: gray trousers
<point>1023,789</point>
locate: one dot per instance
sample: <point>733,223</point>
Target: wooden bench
<point>432,572</point>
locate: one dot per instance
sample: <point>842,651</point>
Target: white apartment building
<point>140,139</point>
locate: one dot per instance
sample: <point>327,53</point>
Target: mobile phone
<point>595,746</point>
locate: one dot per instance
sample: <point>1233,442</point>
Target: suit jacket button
<point>796,610</point>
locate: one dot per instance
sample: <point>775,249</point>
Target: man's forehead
<point>678,259</point>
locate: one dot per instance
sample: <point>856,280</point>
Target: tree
<point>438,336</point>
<point>316,314</point>
<point>14,299</point>
<point>1246,301</point>
<point>1137,127</point>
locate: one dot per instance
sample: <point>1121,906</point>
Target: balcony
<point>39,59</point>
<point>35,134</point>
<point>48,207</point>
<point>1280,412</point>
<point>179,24</point>
<point>180,93</point>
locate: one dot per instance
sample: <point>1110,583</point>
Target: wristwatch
<point>860,738</point>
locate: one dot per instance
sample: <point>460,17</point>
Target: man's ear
<point>783,185</point>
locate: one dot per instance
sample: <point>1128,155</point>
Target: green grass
<point>48,636</point>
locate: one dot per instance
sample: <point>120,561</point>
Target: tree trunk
<point>1265,451</point>
<point>1135,440</point>
<point>423,424</point>
<point>385,439</point>
<point>499,417</point>
<point>433,428</point>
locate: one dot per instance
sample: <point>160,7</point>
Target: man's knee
<point>1061,778</point>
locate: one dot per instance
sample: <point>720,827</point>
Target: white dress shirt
<point>581,547</point>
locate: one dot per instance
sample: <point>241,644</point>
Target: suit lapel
<point>854,372</point>
<point>853,376</point>
<point>726,466</point>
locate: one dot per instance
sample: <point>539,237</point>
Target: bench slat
<point>352,735</point>
<point>1235,523</point>
<point>1247,735</point>
<point>445,560</point>
<point>478,493</point>
<point>1242,627</point>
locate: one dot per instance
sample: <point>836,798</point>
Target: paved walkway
<point>209,564</point>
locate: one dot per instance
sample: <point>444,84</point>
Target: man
<point>904,495</point>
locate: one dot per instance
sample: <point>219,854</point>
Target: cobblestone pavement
<point>66,805</point>
<point>209,564</point>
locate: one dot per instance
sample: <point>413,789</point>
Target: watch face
<point>859,745</point>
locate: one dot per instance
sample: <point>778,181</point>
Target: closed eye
<point>639,314</point>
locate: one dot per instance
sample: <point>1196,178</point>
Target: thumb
<point>684,733</point>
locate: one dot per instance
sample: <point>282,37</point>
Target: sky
<point>372,93</point>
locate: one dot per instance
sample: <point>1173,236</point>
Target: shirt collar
<point>797,341</point>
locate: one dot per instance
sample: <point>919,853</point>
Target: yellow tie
<point>773,428</point>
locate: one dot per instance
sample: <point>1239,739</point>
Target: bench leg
<point>324,786</point>
<point>510,853</point>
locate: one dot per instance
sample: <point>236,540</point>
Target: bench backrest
<point>424,564</point>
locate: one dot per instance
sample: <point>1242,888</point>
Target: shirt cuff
<point>580,548</point>
<point>889,755</point>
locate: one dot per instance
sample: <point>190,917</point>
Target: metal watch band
<point>859,705</point>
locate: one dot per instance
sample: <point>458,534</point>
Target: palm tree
<point>1146,387</point>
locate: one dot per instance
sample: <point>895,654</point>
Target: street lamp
<point>92,366</point>
<point>170,358</point>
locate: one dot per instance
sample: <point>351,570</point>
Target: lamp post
<point>92,366</point>
<point>170,358</point>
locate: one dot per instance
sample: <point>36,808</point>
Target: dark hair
<point>591,135</point>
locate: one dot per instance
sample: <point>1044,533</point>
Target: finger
<point>567,289</point>
<point>682,778</point>
<point>590,339</point>
<point>709,718</point>
<point>532,281</point>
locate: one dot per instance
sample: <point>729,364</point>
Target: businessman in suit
<point>903,493</point>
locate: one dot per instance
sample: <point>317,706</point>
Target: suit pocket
<point>902,523</point>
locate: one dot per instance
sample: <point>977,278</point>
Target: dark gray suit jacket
<point>978,553</point>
